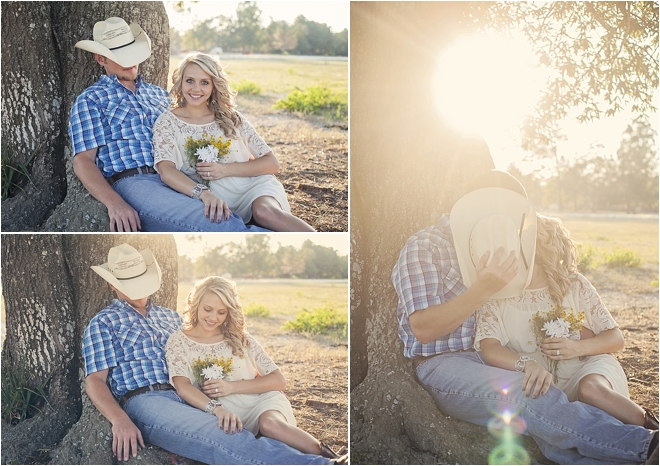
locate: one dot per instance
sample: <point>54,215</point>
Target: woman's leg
<point>267,213</point>
<point>596,390</point>
<point>272,424</point>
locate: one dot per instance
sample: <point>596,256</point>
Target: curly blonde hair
<point>556,253</point>
<point>222,100</point>
<point>234,327</point>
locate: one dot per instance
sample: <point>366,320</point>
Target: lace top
<point>508,320</point>
<point>181,350</point>
<point>170,134</point>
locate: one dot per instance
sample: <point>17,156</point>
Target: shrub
<point>621,257</point>
<point>587,257</point>
<point>248,87</point>
<point>257,310</point>
<point>317,100</point>
<point>323,320</point>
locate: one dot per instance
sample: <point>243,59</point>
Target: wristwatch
<point>520,363</point>
<point>197,190</point>
<point>211,405</point>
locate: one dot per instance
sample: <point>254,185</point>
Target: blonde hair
<point>234,326</point>
<point>222,99</point>
<point>556,253</point>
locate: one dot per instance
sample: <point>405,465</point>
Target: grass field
<point>639,235</point>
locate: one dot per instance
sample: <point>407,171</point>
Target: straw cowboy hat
<point>135,274</point>
<point>487,219</point>
<point>123,44</point>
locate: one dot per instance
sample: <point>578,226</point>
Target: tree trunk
<point>51,294</point>
<point>407,168</point>
<point>42,74</point>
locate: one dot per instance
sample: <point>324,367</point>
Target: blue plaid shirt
<point>427,273</point>
<point>118,122</point>
<point>131,346</point>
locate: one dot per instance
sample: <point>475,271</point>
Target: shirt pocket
<point>124,122</point>
<point>138,344</point>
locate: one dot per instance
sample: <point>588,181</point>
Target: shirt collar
<point>112,79</point>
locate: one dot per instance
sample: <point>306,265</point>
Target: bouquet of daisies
<point>556,323</point>
<point>211,368</point>
<point>206,149</point>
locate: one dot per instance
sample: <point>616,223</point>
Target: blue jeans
<point>163,209</point>
<point>169,422</point>
<point>464,387</point>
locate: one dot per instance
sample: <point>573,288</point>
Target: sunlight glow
<point>485,83</point>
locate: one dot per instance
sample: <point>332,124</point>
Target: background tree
<point>50,296</point>
<point>604,57</point>
<point>407,168</point>
<point>637,157</point>
<point>42,74</point>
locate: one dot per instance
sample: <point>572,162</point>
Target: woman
<point>249,393</point>
<point>585,370</point>
<point>242,181</point>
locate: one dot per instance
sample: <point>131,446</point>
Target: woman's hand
<point>217,387</point>
<point>212,170</point>
<point>228,421</point>
<point>558,349</point>
<point>214,207</point>
<point>537,377</point>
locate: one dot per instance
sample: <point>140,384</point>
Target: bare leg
<point>267,213</point>
<point>594,389</point>
<point>272,424</point>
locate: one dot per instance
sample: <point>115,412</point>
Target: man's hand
<point>493,277</point>
<point>123,217</point>
<point>125,439</point>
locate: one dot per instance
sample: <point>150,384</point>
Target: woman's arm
<point>536,377</point>
<point>271,382</point>
<point>214,207</point>
<point>265,165</point>
<point>186,390</point>
<point>607,341</point>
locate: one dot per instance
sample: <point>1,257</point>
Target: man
<point>110,128</point>
<point>436,314</point>
<point>124,345</point>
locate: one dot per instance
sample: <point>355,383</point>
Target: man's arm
<point>122,216</point>
<point>125,434</point>
<point>438,320</point>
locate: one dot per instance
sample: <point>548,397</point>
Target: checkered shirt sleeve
<point>98,349</point>
<point>427,274</point>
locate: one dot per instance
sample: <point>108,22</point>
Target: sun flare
<point>485,83</point>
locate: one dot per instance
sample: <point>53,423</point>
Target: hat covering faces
<point>123,44</point>
<point>135,274</point>
<point>487,219</point>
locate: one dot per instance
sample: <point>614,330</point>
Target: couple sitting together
<point>201,386</point>
<point>193,165</point>
<point>496,318</point>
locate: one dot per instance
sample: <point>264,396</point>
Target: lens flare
<point>508,453</point>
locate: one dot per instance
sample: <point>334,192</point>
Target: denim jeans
<point>163,209</point>
<point>169,422</point>
<point>464,387</point>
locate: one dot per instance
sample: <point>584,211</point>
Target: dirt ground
<point>633,302</point>
<point>313,158</point>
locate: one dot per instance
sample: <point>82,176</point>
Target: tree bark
<point>42,74</point>
<point>51,294</point>
<point>407,168</point>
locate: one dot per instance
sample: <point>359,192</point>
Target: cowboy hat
<point>135,274</point>
<point>123,44</point>
<point>487,219</point>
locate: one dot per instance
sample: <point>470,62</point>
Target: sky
<point>333,13</point>
<point>337,241</point>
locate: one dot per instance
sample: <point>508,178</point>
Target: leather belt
<point>131,172</point>
<point>420,359</point>
<point>139,391</point>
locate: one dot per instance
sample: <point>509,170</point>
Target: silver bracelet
<point>211,405</point>
<point>521,362</point>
